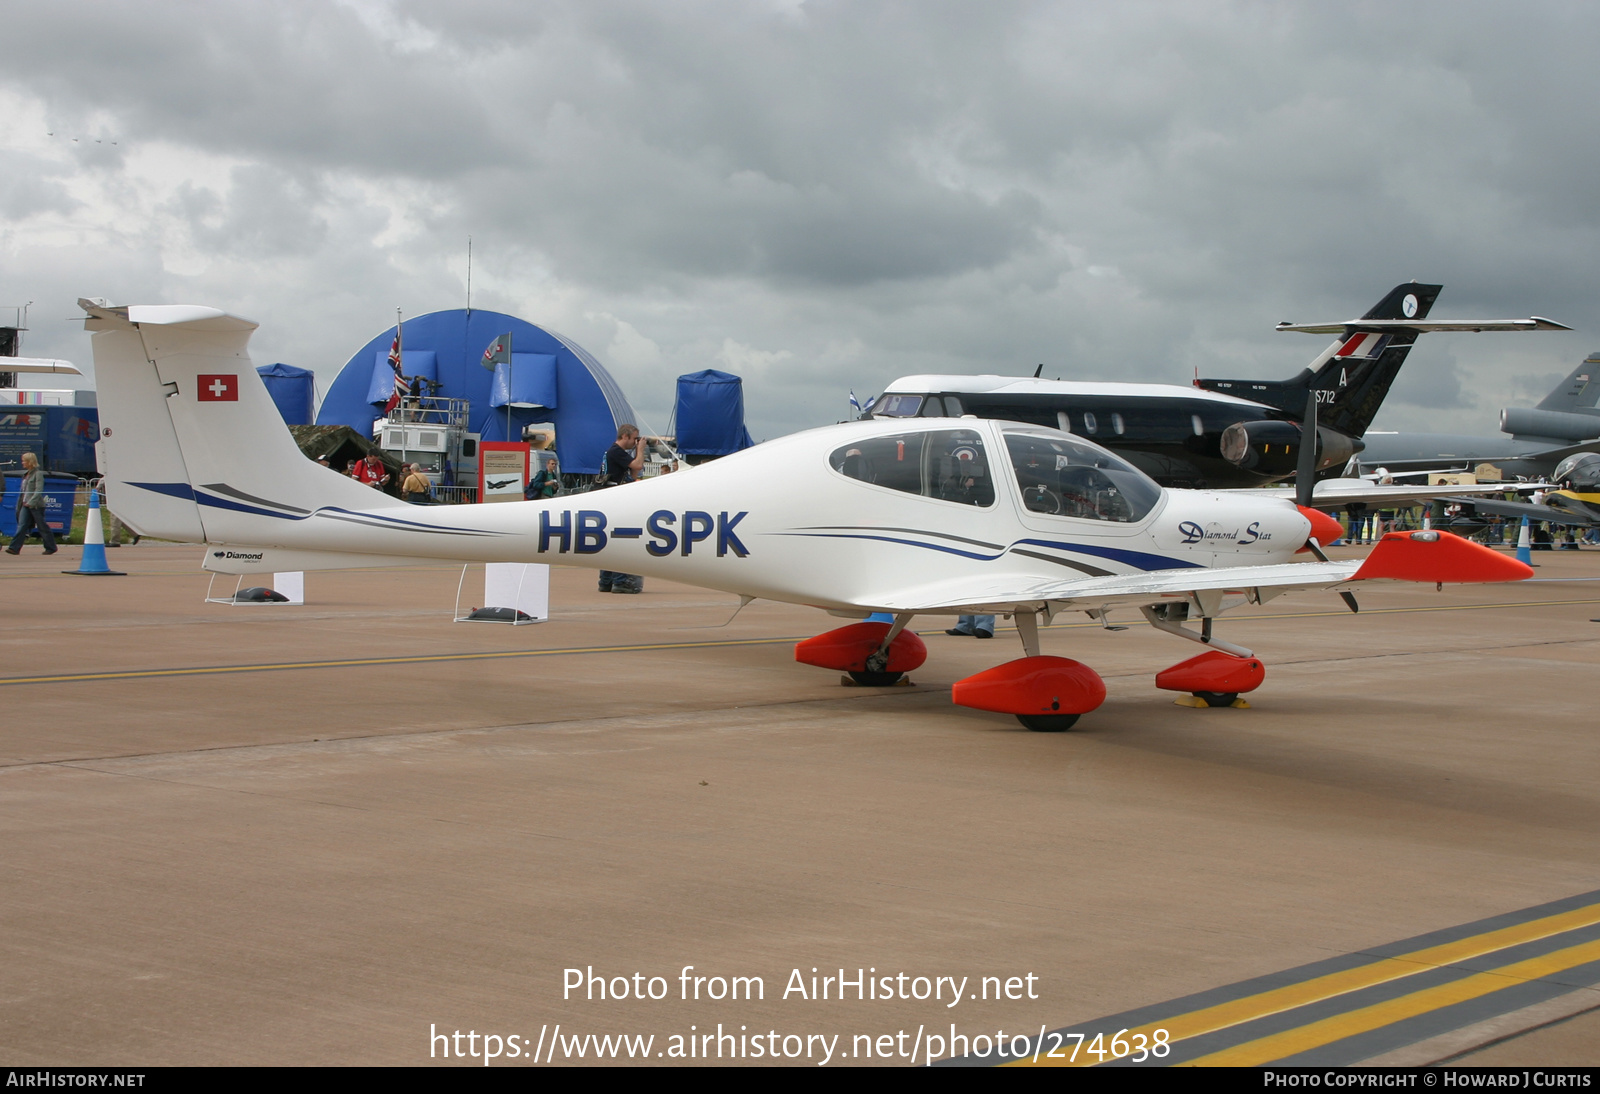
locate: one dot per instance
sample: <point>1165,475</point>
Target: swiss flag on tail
<point>217,388</point>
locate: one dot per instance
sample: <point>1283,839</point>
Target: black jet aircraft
<point>1219,434</point>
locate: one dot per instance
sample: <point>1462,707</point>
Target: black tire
<point>876,679</point>
<point>1048,723</point>
<point>1217,698</point>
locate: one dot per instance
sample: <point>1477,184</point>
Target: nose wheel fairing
<point>1213,678</point>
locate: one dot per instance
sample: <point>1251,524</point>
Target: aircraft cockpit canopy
<point>1060,476</point>
<point>1582,471</point>
<point>912,406</point>
<point>949,464</point>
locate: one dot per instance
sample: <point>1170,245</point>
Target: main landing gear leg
<point>876,674</point>
<point>1028,629</point>
<point>1213,679</point>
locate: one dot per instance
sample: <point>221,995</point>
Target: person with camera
<point>624,461</point>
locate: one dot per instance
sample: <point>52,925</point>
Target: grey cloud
<point>1125,192</point>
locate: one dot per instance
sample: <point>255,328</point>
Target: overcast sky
<point>821,196</point>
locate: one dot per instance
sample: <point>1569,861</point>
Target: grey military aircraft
<point>1532,441</point>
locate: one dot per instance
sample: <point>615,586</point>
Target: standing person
<point>371,471</point>
<point>973,626</point>
<point>415,486</point>
<point>30,507</point>
<point>546,482</point>
<point>113,525</point>
<point>624,461</point>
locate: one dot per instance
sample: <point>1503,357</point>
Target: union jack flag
<point>400,386</point>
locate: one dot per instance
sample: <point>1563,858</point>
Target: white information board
<point>522,586</point>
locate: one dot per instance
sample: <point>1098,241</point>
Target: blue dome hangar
<point>550,381</point>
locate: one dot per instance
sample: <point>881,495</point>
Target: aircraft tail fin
<point>1579,392</point>
<point>192,445</point>
<point>1352,375</point>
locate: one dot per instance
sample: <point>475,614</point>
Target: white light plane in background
<point>922,517</point>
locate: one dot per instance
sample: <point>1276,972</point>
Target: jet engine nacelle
<point>1273,448</point>
<point>1528,422</point>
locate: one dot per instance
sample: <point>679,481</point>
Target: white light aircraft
<point>908,517</point>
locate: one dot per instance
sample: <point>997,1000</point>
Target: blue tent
<point>710,414</point>
<point>552,379</point>
<point>293,389</point>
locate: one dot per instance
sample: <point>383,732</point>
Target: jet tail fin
<point>193,446</point>
<point>1352,375</point>
<point>1579,392</point>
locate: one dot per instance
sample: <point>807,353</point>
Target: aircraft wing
<point>1423,326</point>
<point>1518,509</point>
<point>1559,454</point>
<point>1331,492</point>
<point>989,596</point>
<point>39,364</point>
<point>1399,556</point>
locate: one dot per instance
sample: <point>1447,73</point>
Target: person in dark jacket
<point>30,508</point>
<point>624,461</point>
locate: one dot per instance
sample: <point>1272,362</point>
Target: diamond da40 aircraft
<point>919,517</point>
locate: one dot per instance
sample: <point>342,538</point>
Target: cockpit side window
<point>1062,477</point>
<point>948,464</point>
<point>897,406</point>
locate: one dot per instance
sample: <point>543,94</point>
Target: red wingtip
<point>1438,556</point>
<point>1324,529</point>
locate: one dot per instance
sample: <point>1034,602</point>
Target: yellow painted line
<point>1277,1000</point>
<point>1378,1015</point>
<point>271,666</point>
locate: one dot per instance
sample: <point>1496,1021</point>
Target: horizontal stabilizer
<point>48,365</point>
<point>1425,326</point>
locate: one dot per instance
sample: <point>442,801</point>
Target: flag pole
<point>510,384</point>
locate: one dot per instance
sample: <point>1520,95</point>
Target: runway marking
<point>491,655</point>
<point>1364,1019</point>
<point>1244,1011</point>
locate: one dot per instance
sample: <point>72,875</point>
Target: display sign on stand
<point>513,592</point>
<point>502,470</point>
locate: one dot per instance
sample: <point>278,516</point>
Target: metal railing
<point>455,495</point>
<point>431,410</point>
